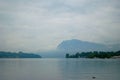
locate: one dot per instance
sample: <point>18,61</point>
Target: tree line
<point>94,54</point>
<point>4,54</point>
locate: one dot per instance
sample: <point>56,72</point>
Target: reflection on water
<point>59,69</point>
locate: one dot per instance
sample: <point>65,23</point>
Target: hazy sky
<point>38,25</point>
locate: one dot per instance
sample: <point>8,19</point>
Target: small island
<point>94,54</point>
<point>20,54</point>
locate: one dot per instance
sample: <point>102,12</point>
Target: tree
<point>77,55</point>
<point>67,55</point>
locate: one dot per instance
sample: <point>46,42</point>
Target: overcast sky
<point>39,25</point>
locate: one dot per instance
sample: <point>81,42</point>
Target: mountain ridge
<point>79,45</point>
<point>74,46</point>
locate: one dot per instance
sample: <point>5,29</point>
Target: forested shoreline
<point>94,54</point>
<point>4,54</point>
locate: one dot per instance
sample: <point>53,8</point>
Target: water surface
<point>59,69</point>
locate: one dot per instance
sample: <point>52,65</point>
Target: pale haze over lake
<point>40,26</point>
<point>59,69</point>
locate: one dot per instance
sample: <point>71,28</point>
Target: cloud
<point>37,25</point>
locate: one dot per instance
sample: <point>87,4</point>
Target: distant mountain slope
<point>114,47</point>
<point>74,45</point>
<point>78,45</point>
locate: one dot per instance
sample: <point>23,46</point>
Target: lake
<point>59,69</point>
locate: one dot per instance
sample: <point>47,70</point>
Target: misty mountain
<point>114,47</point>
<point>75,45</point>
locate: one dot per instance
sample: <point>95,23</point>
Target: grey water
<point>59,69</point>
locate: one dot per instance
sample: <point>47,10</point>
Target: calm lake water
<point>59,69</point>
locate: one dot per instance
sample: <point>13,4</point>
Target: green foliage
<point>67,55</point>
<point>94,54</point>
<point>18,55</point>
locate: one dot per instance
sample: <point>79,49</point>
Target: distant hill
<point>114,47</point>
<point>75,45</point>
<point>72,46</point>
<point>4,54</point>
